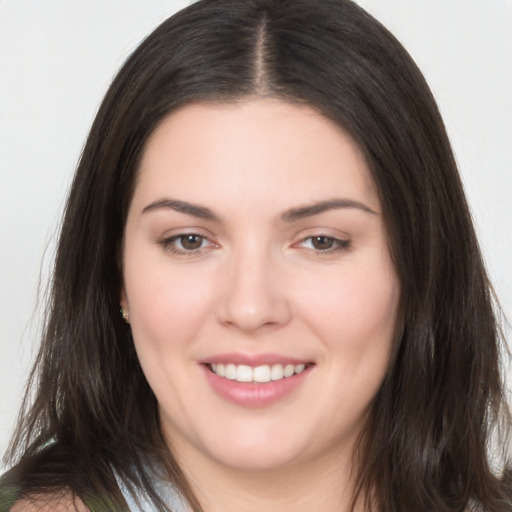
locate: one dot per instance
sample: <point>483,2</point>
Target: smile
<point>259,374</point>
<point>256,385</point>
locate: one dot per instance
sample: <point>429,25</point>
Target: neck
<point>325,485</point>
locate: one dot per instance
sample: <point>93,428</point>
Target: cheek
<point>167,312</point>
<point>166,306</point>
<point>356,311</point>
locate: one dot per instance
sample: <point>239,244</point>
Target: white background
<point>57,59</point>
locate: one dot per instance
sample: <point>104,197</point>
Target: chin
<point>254,459</point>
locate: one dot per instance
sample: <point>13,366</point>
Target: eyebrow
<point>291,215</point>
<point>182,207</point>
<point>315,209</point>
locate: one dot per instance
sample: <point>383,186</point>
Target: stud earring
<point>124,314</point>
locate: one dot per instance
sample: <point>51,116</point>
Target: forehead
<point>253,149</point>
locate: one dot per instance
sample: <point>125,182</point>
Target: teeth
<point>277,372</point>
<point>230,372</point>
<point>265,373</point>
<point>262,374</point>
<point>244,373</point>
<point>300,368</point>
<point>289,370</point>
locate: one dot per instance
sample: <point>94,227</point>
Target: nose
<point>254,295</point>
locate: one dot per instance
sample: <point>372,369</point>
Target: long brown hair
<point>427,439</point>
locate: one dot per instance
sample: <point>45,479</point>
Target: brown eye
<point>322,243</point>
<point>191,242</point>
<point>187,244</point>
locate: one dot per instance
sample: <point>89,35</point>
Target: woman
<point>269,197</point>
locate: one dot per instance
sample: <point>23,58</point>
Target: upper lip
<point>253,359</point>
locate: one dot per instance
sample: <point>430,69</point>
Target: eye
<point>324,243</point>
<point>186,244</point>
<point>190,242</point>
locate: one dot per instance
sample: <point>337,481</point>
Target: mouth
<point>256,381</point>
<point>258,374</point>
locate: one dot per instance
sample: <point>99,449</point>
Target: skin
<point>259,284</point>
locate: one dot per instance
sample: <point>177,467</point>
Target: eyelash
<point>169,244</point>
<point>338,245</point>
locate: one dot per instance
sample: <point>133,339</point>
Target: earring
<point>124,314</point>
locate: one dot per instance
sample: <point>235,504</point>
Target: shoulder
<point>52,503</point>
<point>54,480</point>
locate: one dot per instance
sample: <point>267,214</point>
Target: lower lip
<point>254,394</point>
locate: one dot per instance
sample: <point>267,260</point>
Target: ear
<point>123,303</point>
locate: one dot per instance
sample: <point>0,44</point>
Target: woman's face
<point>259,285</point>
